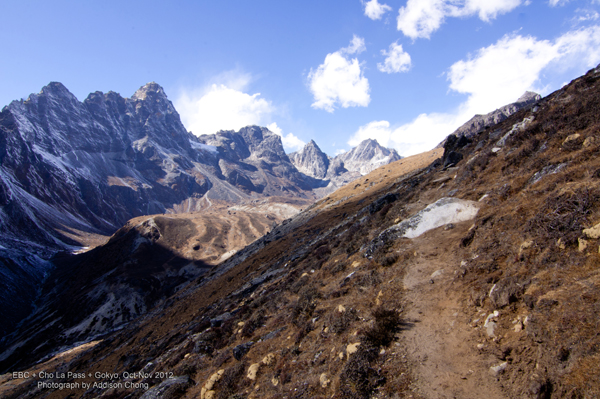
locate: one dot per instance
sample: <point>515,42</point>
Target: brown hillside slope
<point>504,305</point>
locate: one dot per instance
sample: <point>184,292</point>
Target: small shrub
<point>388,260</point>
<point>302,332</point>
<point>336,268</point>
<point>255,322</point>
<point>564,216</point>
<point>369,279</point>
<point>387,322</point>
<point>231,381</point>
<point>468,238</point>
<point>306,304</point>
<point>358,379</point>
<point>322,252</point>
<point>188,369</point>
<point>340,321</point>
<point>222,358</point>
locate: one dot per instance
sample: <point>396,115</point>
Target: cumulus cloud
<point>420,18</point>
<point>290,141</point>
<point>222,106</point>
<point>397,60</point>
<point>496,75</point>
<point>339,81</point>
<point>375,10</point>
<point>376,130</point>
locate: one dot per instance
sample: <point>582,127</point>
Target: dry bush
<point>302,332</point>
<point>564,216</point>
<point>355,237</point>
<point>370,279</point>
<point>339,322</point>
<point>322,252</point>
<point>222,358</point>
<point>188,368</point>
<point>298,284</point>
<point>335,268</point>
<point>231,381</point>
<point>358,379</point>
<point>254,323</point>
<point>306,304</point>
<point>387,323</point>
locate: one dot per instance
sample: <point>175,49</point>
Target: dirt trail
<point>442,345</point>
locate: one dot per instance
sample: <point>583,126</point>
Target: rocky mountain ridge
<point>333,173</point>
<point>480,122</point>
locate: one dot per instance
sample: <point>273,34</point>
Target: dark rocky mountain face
<point>244,156</point>
<point>68,167</point>
<point>480,122</point>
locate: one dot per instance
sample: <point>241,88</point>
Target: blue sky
<point>404,72</point>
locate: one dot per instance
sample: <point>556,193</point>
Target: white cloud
<point>554,3</point>
<point>487,9</point>
<point>506,69</point>
<point>496,75</point>
<point>222,106</point>
<point>420,18</point>
<point>357,46</point>
<point>374,10</point>
<point>377,130</point>
<point>397,60</point>
<point>500,72</point>
<point>420,135</point>
<point>339,80</point>
<point>290,141</point>
<point>585,16</point>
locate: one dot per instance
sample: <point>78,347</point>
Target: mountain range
<point>72,173</point>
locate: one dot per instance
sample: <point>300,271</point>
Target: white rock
<point>440,213</point>
<point>490,325</point>
<point>253,371</point>
<point>437,273</point>
<point>352,348</point>
<point>495,370</point>
<point>324,380</point>
<point>490,328</point>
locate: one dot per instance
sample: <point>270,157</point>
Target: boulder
<point>592,232</point>
<point>169,388</point>
<point>241,350</point>
<point>505,292</point>
<point>253,371</point>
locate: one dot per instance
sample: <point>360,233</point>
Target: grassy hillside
<point>336,303</point>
